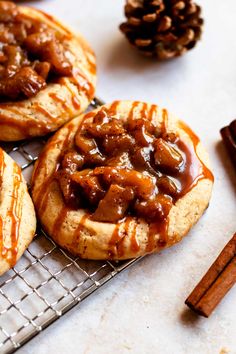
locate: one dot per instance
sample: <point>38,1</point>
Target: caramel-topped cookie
<point>17,216</point>
<point>121,181</point>
<point>47,74</point>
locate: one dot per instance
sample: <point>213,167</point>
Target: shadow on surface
<point>123,55</point>
<point>189,318</point>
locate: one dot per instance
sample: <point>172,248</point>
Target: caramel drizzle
<point>112,110</point>
<point>134,244</point>
<point>23,125</point>
<point>132,110</point>
<point>59,222</point>
<point>2,168</point>
<point>83,84</point>
<point>144,110</point>
<point>62,101</point>
<point>195,171</point>
<point>91,63</point>
<point>79,229</point>
<point>41,197</point>
<point>74,99</point>
<point>151,112</point>
<point>44,111</point>
<point>15,214</point>
<point>117,241</point>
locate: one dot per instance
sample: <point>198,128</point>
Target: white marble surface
<point>142,310</point>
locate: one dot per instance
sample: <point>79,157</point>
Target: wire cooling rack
<point>47,281</point>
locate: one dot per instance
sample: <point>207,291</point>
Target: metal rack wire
<point>47,281</point>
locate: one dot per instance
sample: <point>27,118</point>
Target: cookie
<point>17,215</point>
<point>47,73</point>
<point>122,181</point>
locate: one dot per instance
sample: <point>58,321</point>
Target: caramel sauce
<point>197,169</point>
<point>91,63</point>
<point>81,225</point>
<point>41,197</point>
<point>83,84</point>
<point>157,228</point>
<point>59,221</point>
<point>92,66</point>
<point>134,246</point>
<point>9,253</point>
<point>144,110</point>
<point>22,125</point>
<point>62,101</point>
<point>113,108</point>
<point>187,177</point>
<point>74,99</point>
<point>79,229</point>
<point>131,112</point>
<point>2,168</point>
<point>115,238</point>
<point>116,244</point>
<point>15,213</point>
<point>151,112</point>
<point>44,111</point>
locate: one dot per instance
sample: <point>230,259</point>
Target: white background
<point>142,310</point>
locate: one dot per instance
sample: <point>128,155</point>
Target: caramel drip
<point>152,111</point>
<point>164,127</point>
<point>81,225</point>
<point>1,236</point>
<point>2,168</point>
<point>79,229</point>
<point>24,126</point>
<point>91,63</point>
<point>135,104</point>
<point>116,244</point>
<point>44,111</point>
<point>195,169</point>
<point>15,214</point>
<point>62,101</point>
<point>134,246</point>
<point>83,84</point>
<point>113,108</point>
<point>74,99</point>
<point>144,110</point>
<point>59,222</point>
<point>41,198</point>
<point>160,229</point>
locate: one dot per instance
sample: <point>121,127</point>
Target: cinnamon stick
<point>228,134</point>
<point>218,280</point>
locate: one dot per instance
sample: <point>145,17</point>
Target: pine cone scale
<point>162,28</point>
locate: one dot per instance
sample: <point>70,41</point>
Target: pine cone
<point>162,28</point>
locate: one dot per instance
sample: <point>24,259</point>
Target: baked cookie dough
<point>47,73</point>
<point>17,215</point>
<point>122,181</point>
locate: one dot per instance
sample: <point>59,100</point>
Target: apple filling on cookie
<point>120,168</point>
<point>121,181</point>
<point>47,73</point>
<point>31,53</point>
